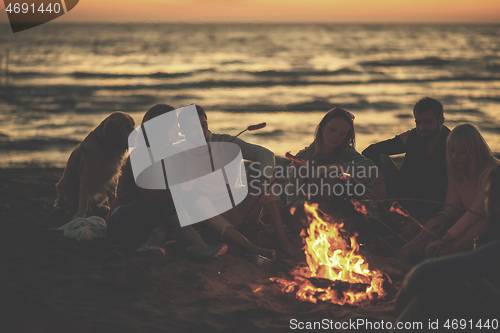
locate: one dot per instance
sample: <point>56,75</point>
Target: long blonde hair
<point>467,137</point>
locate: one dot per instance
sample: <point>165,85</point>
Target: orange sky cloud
<point>327,11</point>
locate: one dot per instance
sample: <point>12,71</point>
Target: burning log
<point>335,272</point>
<point>341,286</point>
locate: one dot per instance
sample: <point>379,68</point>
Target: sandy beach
<point>53,284</point>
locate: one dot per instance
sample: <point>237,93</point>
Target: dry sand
<point>49,283</point>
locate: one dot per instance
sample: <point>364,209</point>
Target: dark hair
<point>156,110</point>
<point>426,104</point>
<point>199,109</point>
<point>350,138</point>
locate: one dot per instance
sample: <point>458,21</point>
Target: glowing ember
<point>335,272</point>
<point>345,176</point>
<point>295,159</point>
<point>396,207</point>
<point>358,206</point>
<point>259,288</point>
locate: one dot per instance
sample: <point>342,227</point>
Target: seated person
<point>244,215</point>
<point>470,163</point>
<point>423,173</point>
<point>139,218</point>
<point>328,156</point>
<point>458,286</point>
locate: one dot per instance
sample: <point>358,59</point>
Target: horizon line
<point>277,23</point>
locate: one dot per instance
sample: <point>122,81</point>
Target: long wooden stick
<point>432,202</point>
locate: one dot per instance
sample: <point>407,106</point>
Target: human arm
<point>251,152</point>
<point>452,210</point>
<point>357,166</point>
<point>394,146</point>
<point>476,211</point>
<point>468,225</point>
<point>349,161</point>
<point>465,242</point>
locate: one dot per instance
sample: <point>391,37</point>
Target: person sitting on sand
<point>457,286</point>
<point>140,216</point>
<point>423,173</point>
<point>330,154</point>
<point>470,163</point>
<point>244,215</point>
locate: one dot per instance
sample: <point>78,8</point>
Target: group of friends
<point>442,183</point>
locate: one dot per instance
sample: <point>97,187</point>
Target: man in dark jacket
<point>423,173</point>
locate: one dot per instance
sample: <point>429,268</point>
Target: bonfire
<point>335,271</point>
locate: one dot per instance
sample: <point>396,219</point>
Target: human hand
<point>436,224</point>
<point>435,248</point>
<point>409,229</point>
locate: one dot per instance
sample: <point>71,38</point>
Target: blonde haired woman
<point>469,163</point>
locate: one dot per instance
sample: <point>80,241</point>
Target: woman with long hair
<point>330,157</point>
<point>429,290</point>
<point>463,219</point>
<point>469,162</point>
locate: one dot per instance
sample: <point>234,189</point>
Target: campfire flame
<point>335,272</point>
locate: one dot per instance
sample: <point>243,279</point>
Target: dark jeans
<point>132,224</point>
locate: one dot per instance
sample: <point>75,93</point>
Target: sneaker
<point>259,260</point>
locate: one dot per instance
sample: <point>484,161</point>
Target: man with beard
<point>423,173</point>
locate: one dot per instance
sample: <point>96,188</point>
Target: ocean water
<point>63,79</point>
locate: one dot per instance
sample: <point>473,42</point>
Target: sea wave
<point>428,61</point>
<point>43,143</point>
<point>19,74</point>
<point>157,75</point>
<point>319,104</point>
<point>210,84</point>
<point>298,73</point>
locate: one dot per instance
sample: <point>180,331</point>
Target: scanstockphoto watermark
<point>311,180</point>
<point>359,324</point>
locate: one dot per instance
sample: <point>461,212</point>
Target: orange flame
<point>345,176</point>
<point>330,259</point>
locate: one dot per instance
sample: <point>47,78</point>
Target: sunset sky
<point>327,11</point>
